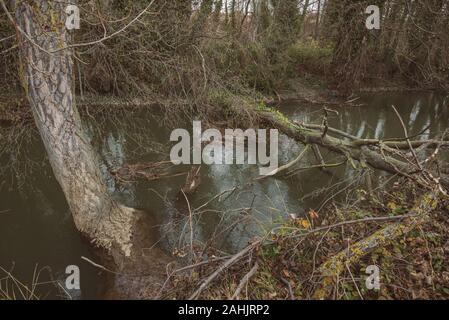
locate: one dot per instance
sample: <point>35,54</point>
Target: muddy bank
<point>317,91</point>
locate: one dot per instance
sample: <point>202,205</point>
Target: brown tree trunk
<point>47,79</point>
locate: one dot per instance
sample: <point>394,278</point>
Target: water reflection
<point>38,227</point>
<point>377,119</point>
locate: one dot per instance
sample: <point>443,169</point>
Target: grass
<point>11,288</point>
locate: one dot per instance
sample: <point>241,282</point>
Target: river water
<point>36,228</point>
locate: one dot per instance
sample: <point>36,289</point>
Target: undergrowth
<point>288,262</point>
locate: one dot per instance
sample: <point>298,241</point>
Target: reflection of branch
<point>230,191</point>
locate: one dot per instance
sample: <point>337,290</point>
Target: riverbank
<point>14,108</point>
<point>288,263</point>
<point>285,260</point>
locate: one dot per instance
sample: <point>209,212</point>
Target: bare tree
<point>46,74</point>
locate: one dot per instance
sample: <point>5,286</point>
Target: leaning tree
<point>46,66</point>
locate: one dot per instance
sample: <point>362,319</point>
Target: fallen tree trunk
<point>350,149</point>
<point>332,268</point>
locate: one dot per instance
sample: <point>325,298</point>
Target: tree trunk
<point>350,149</point>
<point>47,79</point>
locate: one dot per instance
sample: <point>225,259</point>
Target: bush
<point>250,64</point>
<point>310,56</point>
<point>263,66</point>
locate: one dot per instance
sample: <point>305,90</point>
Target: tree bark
<point>47,79</point>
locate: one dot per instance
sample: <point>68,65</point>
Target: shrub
<point>311,56</point>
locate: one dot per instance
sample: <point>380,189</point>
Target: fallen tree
<point>389,156</point>
<point>386,156</point>
<point>332,268</point>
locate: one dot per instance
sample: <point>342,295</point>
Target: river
<point>36,228</point>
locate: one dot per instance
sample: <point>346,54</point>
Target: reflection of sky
<point>272,199</point>
<point>380,127</point>
<point>270,202</point>
<point>414,113</point>
<point>361,130</point>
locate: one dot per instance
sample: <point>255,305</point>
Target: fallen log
<point>333,267</point>
<point>348,148</point>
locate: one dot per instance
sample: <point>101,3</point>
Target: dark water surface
<point>36,227</point>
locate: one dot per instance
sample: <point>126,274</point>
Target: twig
<point>223,267</point>
<point>190,222</point>
<point>290,290</point>
<point>99,266</point>
<point>21,30</point>
<point>288,165</point>
<point>84,44</point>
<point>20,285</point>
<point>407,139</point>
<point>244,281</point>
<point>199,264</point>
<point>355,283</point>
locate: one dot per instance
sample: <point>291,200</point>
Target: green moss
<point>220,98</point>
